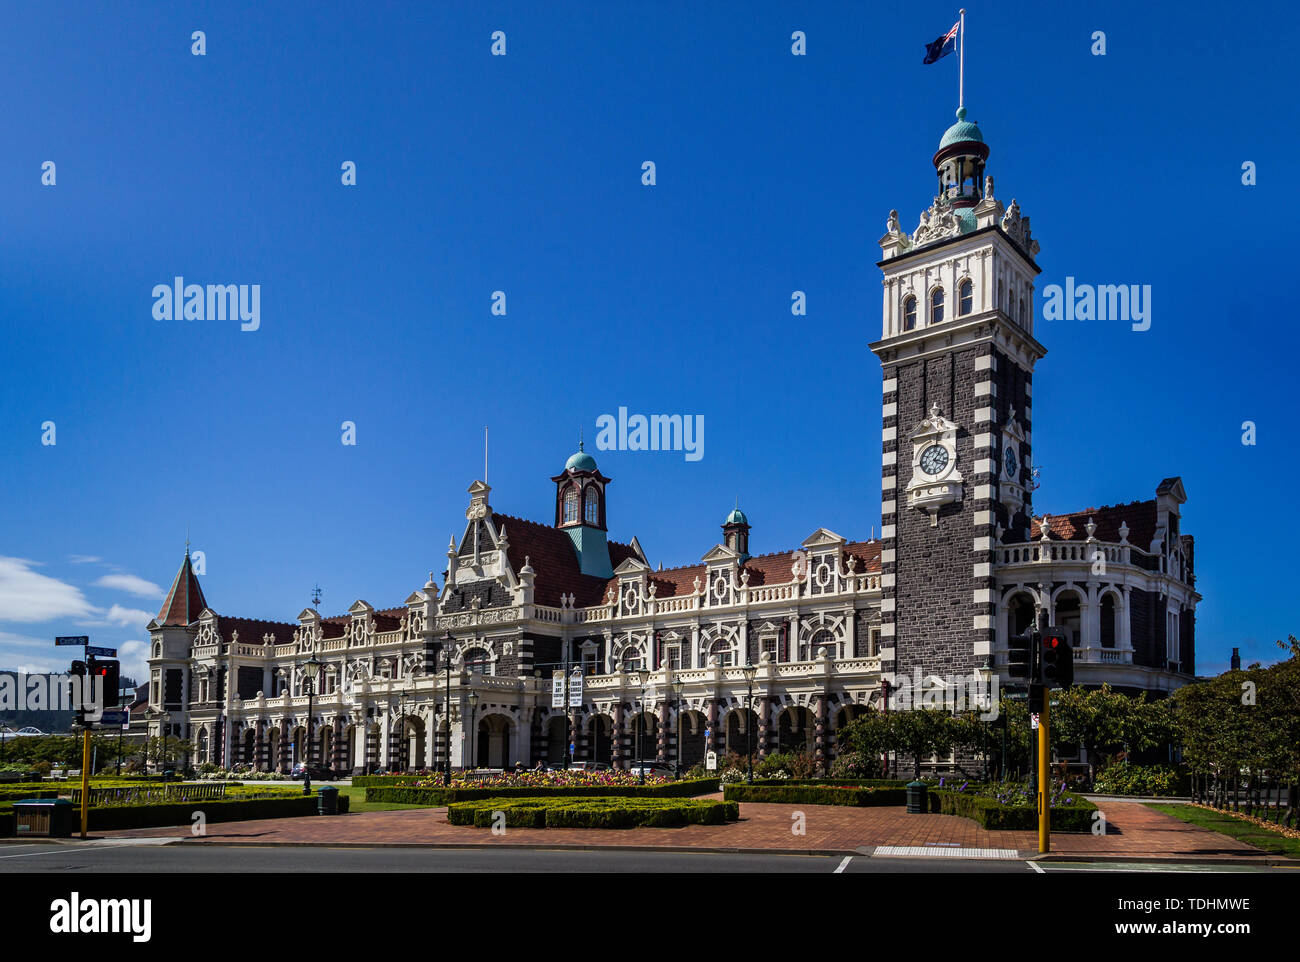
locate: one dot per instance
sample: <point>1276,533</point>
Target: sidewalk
<point>1136,832</point>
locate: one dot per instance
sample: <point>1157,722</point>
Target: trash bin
<point>327,801</point>
<point>916,798</point>
<point>43,818</point>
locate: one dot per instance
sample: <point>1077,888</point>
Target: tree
<point>920,732</point>
<point>866,736</point>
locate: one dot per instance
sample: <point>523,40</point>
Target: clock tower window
<point>909,313</point>
<point>966,297</point>
<point>571,504</point>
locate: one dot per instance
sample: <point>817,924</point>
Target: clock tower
<point>958,351</point>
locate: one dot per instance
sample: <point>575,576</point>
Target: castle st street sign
<point>72,640</point>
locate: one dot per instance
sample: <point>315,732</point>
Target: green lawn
<point>357,794</point>
<point>1248,832</point>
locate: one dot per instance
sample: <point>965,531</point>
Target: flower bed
<point>526,779</point>
<point>423,793</point>
<point>589,812</point>
<point>117,817</point>
<point>823,793</point>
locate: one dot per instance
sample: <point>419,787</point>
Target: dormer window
<point>936,306</point>
<point>966,297</point>
<point>909,313</point>
<point>592,510</point>
<point>571,505</point>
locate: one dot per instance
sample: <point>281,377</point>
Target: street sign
<point>112,718</point>
<point>102,652</point>
<point>1033,721</point>
<point>575,690</point>
<point>711,761</point>
<point>72,640</point>
<point>557,689</point>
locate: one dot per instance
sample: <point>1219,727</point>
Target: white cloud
<point>128,617</point>
<point>26,595</point>
<point>131,584</point>
<point>83,559</point>
<point>134,658</point>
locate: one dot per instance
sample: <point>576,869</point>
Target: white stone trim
<point>890,385</point>
<point>985,363</point>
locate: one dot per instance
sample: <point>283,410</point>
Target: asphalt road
<point>151,858</point>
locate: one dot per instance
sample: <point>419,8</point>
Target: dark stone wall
<point>490,594</point>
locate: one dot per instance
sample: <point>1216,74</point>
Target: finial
<point>580,448</point>
<point>961,113</point>
<point>187,541</point>
<point>315,597</point>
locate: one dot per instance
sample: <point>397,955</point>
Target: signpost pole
<point>85,779</point>
<point>1044,776</point>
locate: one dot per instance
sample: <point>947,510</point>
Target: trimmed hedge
<point>17,795</point>
<point>779,791</point>
<point>992,814</point>
<point>115,817</point>
<point>589,812</point>
<point>686,788</point>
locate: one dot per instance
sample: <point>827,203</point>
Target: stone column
<point>337,752</point>
<point>371,759</point>
<point>282,763</point>
<point>663,732</point>
<point>259,760</point>
<point>616,758</point>
<point>764,737</point>
<point>819,742</point>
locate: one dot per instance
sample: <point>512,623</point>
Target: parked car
<point>653,768</point>
<point>318,774</point>
<point>590,766</point>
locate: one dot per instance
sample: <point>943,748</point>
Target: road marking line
<point>1036,867</point>
<point>912,851</point>
<point>843,864</point>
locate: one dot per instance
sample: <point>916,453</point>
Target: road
<point>149,856</point>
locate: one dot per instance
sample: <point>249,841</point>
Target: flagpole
<point>961,57</point>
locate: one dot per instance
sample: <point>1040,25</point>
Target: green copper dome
<point>961,132</point>
<point>580,460</point>
<point>736,517</point>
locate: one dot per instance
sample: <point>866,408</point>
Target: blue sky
<point>522,173</point>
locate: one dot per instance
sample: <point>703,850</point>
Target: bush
<point>8,793</point>
<point>590,812</point>
<point>1123,779</point>
<point>792,764</point>
<point>855,765</point>
<point>1070,813</point>
<point>117,817</point>
<point>813,794</point>
<point>411,795</point>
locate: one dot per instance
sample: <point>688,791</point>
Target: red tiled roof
<point>185,602</point>
<point>1140,516</point>
<point>550,553</point>
<point>252,630</point>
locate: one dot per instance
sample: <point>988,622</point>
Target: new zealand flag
<point>943,46</point>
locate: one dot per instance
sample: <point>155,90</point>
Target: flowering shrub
<point>573,778</point>
<point>242,774</point>
<point>732,775</point>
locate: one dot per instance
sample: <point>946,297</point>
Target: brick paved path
<point>1136,831</point>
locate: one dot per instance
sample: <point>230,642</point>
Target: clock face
<point>1011,462</point>
<point>934,459</point>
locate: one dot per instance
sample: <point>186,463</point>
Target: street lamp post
<point>473,727</point>
<point>749,670</point>
<point>309,671</point>
<point>447,641</point>
<point>986,703</point>
<point>677,707</point>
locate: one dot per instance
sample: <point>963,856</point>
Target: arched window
<point>592,510</point>
<point>966,296</point>
<point>1022,310</point>
<point>1002,295</point>
<point>721,648</point>
<point>632,659</point>
<point>909,313</point>
<point>571,504</point>
<point>478,661</point>
<point>936,306</point>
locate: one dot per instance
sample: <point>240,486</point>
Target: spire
<point>185,601</point>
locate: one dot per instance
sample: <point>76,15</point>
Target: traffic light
<point>79,673</point>
<point>1020,655</point>
<point>108,673</point>
<point>1058,659</point>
